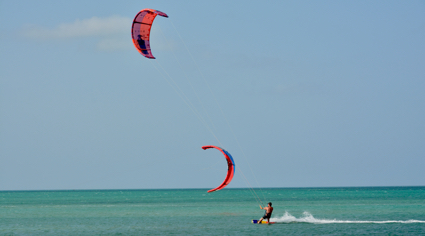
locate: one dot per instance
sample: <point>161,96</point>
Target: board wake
<point>262,222</point>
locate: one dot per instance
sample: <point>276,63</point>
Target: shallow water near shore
<point>330,211</point>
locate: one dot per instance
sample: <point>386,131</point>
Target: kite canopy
<point>141,29</point>
<point>230,170</point>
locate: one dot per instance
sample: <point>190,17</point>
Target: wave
<point>309,218</point>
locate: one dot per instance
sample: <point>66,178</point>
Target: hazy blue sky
<point>315,93</point>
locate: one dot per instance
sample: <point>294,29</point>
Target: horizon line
<point>161,189</point>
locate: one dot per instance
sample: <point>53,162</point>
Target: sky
<point>301,93</point>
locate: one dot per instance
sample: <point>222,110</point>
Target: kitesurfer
<point>267,214</point>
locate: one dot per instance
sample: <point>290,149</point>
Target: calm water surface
<point>298,211</point>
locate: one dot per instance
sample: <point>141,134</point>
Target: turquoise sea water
<point>298,211</point>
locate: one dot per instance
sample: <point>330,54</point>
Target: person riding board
<point>267,214</point>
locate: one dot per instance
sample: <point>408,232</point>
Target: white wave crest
<point>309,218</point>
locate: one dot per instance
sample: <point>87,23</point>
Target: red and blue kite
<point>141,30</point>
<point>230,169</point>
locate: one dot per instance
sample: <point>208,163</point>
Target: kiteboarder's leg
<point>259,221</point>
<point>264,216</point>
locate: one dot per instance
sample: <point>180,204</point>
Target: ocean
<point>297,211</point>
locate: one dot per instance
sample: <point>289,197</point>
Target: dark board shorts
<point>267,215</point>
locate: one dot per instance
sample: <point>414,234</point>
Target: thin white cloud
<point>112,33</point>
<point>95,26</point>
<point>113,44</point>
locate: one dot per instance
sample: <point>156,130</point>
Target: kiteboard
<point>262,222</point>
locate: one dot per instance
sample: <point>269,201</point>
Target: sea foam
<point>309,218</point>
